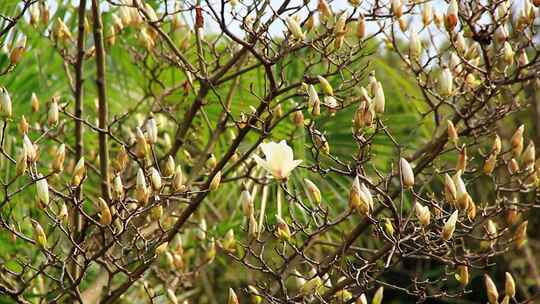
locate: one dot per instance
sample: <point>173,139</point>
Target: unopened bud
<point>39,235</point>
<point>529,156</point>
<point>6,108</point>
<point>233,299</point>
<point>59,157</point>
<point>118,188</point>
<point>422,213</point>
<point>42,192</point>
<point>282,229</point>
<point>521,234</point>
<point>446,82</point>
<point>214,183</point>
<point>517,141</point>
<point>79,173</point>
<point>105,216</point>
<point>325,85</point>
<point>378,297</point>
<point>155,179</point>
<point>462,275</point>
<point>492,293</point>
<point>247,203</point>
<point>452,132</point>
<point>489,164</point>
<point>449,226</point>
<point>360,198</point>
<point>313,190</point>
<point>509,285</point>
<point>178,179</point>
<point>295,29</point>
<point>451,17</point>
<point>141,189</point>
<point>407,173</point>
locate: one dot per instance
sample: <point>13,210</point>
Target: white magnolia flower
<point>279,159</point>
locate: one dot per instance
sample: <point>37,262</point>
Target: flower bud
<point>151,130</point>
<point>118,188</point>
<point>360,198</point>
<point>6,108</point>
<point>255,297</point>
<point>141,145</point>
<point>508,53</point>
<point>211,162</point>
<point>492,293</point>
<point>509,285</point>
<point>233,299</point>
<point>18,51</point>
<point>247,203</point>
<point>59,157</point>
<point>511,215</point>
<point>403,24</point>
<point>415,45</point>
<point>141,189</point>
<point>427,14</point>
<point>155,179</point>
<point>324,9</point>
<point>461,191</point>
<point>298,118</point>
<point>449,226</point>
<point>378,297</point>
<point>520,235</point>
<point>79,173</point>
<point>169,167</point>
<point>462,160</point>
<point>313,190</point>
<point>462,275</point>
<point>529,156</point>
<point>22,164</point>
<point>121,160</point>
<point>34,102</point>
<point>295,29</point>
<point>446,82</point>
<point>325,85</point>
<point>361,27</point>
<point>52,114</point>
<point>451,18</point>
<point>422,213</point>
<point>229,242</point>
<point>178,179</point>
<point>156,213</point>
<point>282,229</point>
<point>517,141</point>
<point>105,216</point>
<point>407,173</point>
<point>42,192</point>
<point>29,149</point>
<point>321,143</point>
<point>63,213</point>
<point>452,132</point>
<point>339,27</point>
<point>39,235</point>
<point>497,145</point>
<point>253,227</point>
<point>388,227</point>
<point>397,8</point>
<point>513,166</point>
<point>214,183</point>
<point>379,99</point>
<point>362,299</point>
<point>489,164</point>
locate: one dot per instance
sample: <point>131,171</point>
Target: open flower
<point>279,159</point>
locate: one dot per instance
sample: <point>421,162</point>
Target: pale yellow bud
<point>450,226</point>
<point>229,242</point>
<point>378,297</point>
<point>529,156</point>
<point>462,160</point>
<point>178,179</point>
<point>452,132</point>
<point>155,179</point>
<point>156,213</point>
<point>141,189</point>
<point>313,190</point>
<point>152,130</point>
<point>42,191</point>
<point>59,157</point>
<point>6,108</point>
<point>509,285</point>
<point>462,275</point>
<point>169,167</point>
<point>422,213</point>
<point>521,234</point>
<point>492,293</point>
<point>253,227</point>
<point>508,53</point>
<point>489,164</point>
<point>362,299</point>
<point>172,296</point>
<point>118,188</point>
<point>52,115</point>
<point>427,14</point>
<point>141,145</point>
<point>211,162</point>
<point>513,166</point>
<point>105,216</point>
<point>295,29</point>
<point>446,82</point>
<point>397,8</point>
<point>22,164</point>
<point>415,45</point>
<point>379,99</point>
<point>79,173</point>
<point>407,173</point>
<point>247,203</point>
<point>325,85</point>
<point>39,235</point>
<point>360,198</point>
<point>29,149</point>
<point>497,145</point>
<point>34,102</point>
<point>361,27</point>
<point>324,9</point>
<point>282,229</point>
<point>214,183</point>
<point>517,141</point>
<point>233,299</point>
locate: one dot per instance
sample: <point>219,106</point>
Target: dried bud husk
<point>422,213</point>
<point>155,179</point>
<point>462,275</point>
<point>511,215</point>
<point>79,173</point>
<point>449,226</point>
<point>492,293</point>
<point>517,141</point>
<point>407,173</point>
<point>52,115</point>
<point>105,215</point>
<point>6,107</point>
<point>39,235</point>
<point>452,132</point>
<point>313,190</point>
<point>178,179</point>
<point>215,182</point>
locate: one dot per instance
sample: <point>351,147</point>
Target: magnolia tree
<point>218,166</point>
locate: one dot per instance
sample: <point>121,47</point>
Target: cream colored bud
<point>152,130</point>
<point>178,179</point>
<point>42,191</point>
<point>397,8</point>
<point>52,114</point>
<point>362,299</point>
<point>59,157</point>
<point>79,173</point>
<point>247,203</point>
<point>427,14</point>
<point>492,293</point>
<point>121,160</point>
<point>22,164</point>
<point>233,299</point>
<point>513,166</point>
<point>450,226</point>
<point>29,149</point>
<point>446,82</point>
<point>155,179</point>
<point>407,173</point>
<point>450,191</point>
<point>169,167</point>
<point>508,53</point>
<point>403,24</point>
<point>229,242</point>
<point>324,9</point>
<point>215,182</point>
<point>34,101</point>
<point>141,145</point>
<point>141,189</point>
<point>298,118</point>
<point>497,145</point>
<point>461,190</point>
<point>63,213</point>
<point>452,132</point>
<point>253,227</point>
<point>313,191</point>
<point>422,213</point>
<point>529,156</point>
<point>211,162</point>
<point>118,188</point>
<point>6,108</point>
<point>509,285</point>
<point>105,216</point>
<point>379,99</point>
<point>415,45</point>
<point>360,198</point>
<point>520,235</point>
<point>295,29</point>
